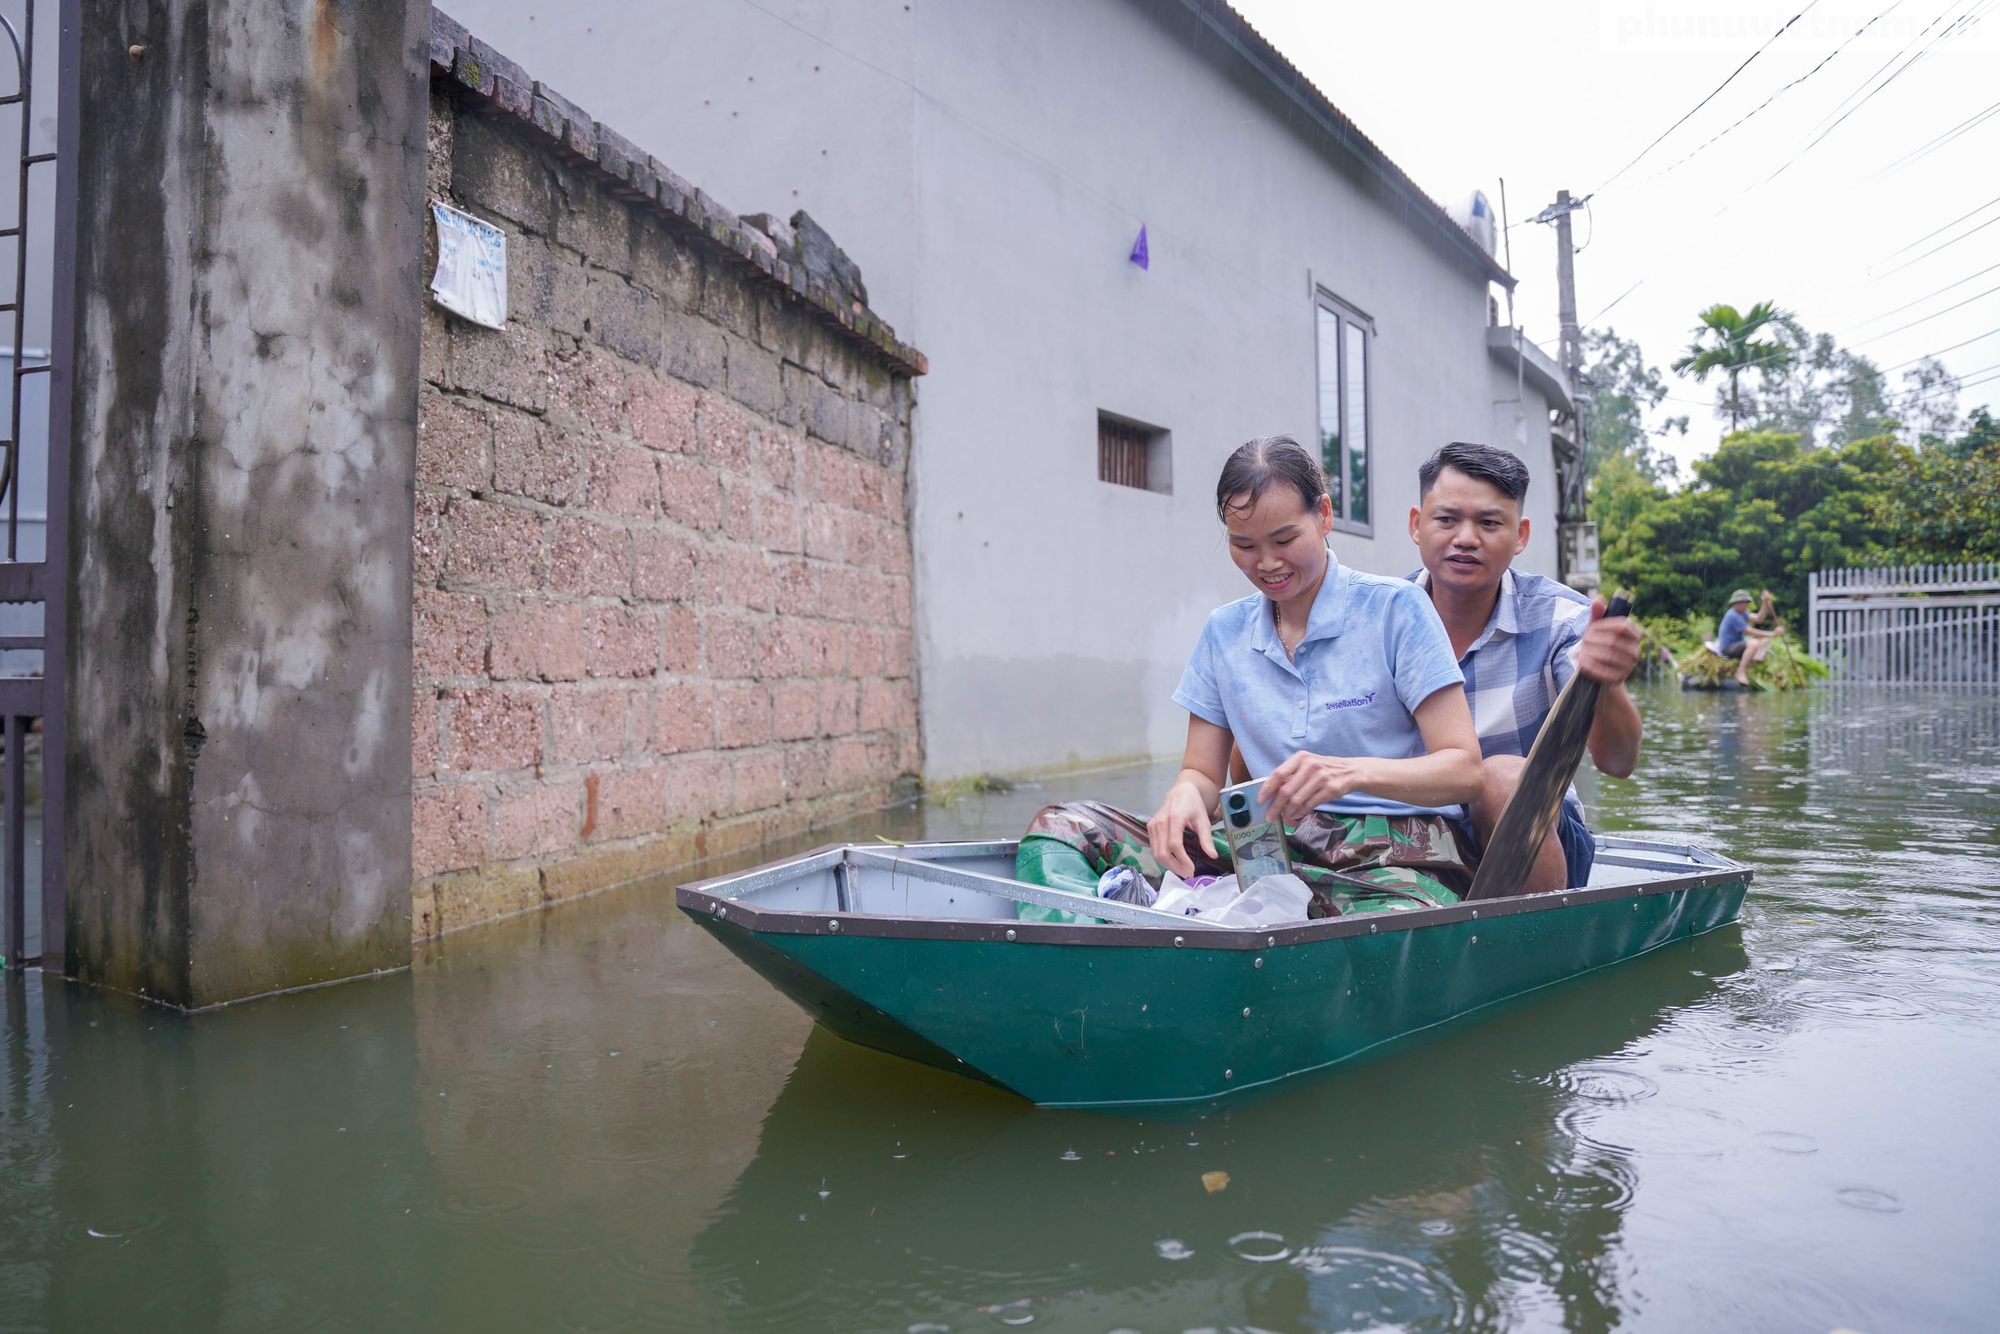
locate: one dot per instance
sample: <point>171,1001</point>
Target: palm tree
<point>1726,341</point>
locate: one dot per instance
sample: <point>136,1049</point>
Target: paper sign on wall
<point>471,278</point>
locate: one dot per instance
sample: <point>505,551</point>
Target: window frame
<point>1159,445</point>
<point>1345,317</point>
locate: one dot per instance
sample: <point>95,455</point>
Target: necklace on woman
<point>1278,619</point>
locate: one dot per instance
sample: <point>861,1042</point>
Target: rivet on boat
<point>1256,963</point>
<point>833,924</point>
<point>1371,928</point>
<point>1475,914</point>
<point>1010,933</point>
<point>1246,1012</point>
<point>1475,940</point>
<point>1178,942</point>
<point>1229,1074</point>
<point>1271,941</point>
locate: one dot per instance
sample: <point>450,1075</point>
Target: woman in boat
<point>1342,693</point>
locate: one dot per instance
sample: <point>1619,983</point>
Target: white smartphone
<point>1256,841</point>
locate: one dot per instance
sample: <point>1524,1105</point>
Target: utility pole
<point>1572,335</point>
<point>1576,545</point>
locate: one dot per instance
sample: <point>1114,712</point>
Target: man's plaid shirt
<point>1521,660</point>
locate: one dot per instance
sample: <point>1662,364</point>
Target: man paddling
<point>1518,638</point>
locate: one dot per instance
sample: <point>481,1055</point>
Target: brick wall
<point>662,558</point>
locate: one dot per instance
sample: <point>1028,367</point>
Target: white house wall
<point>1540,509</point>
<point>1059,611</point>
<point>988,168</point>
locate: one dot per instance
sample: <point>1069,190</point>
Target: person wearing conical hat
<point>1736,638</point>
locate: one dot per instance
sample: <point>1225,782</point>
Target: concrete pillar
<point>249,224</point>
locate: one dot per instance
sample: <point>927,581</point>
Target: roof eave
<point>1222,21</point>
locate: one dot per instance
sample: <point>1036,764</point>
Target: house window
<point>1345,424</point>
<point>1131,453</point>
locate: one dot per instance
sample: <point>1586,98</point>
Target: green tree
<point>1928,405</point>
<point>1619,390</point>
<point>1726,340</point>
<point>1819,391</point>
<point>1982,431</point>
<point>1762,511</point>
<point>1944,505</point>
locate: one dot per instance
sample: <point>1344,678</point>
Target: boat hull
<point>1120,1016</point>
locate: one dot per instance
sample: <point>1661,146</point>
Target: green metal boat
<point>918,951</point>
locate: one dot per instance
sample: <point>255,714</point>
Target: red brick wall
<point>662,558</point>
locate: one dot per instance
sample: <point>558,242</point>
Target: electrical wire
<point>1963,20</point>
<point>1981,371</point>
<point>1782,29</point>
<point>1876,338</point>
<point>1842,105</point>
<point>1962,127</point>
<point>1947,227</point>
<point>1946,246</point>
<point>1941,351</point>
<point>1920,300</point>
<point>1852,38</point>
<point>1620,297</point>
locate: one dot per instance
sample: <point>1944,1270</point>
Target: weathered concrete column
<point>249,225</point>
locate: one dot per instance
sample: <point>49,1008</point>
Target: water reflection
<point>597,1119</point>
<point>1418,1192</point>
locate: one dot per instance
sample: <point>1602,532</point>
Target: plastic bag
<point>1195,900</point>
<point>1273,899</point>
<point>1124,884</point>
<point>1056,865</point>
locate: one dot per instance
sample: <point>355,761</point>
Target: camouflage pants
<point>1352,863</point>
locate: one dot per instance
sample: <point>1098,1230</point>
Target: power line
<point>1941,351</point>
<point>1900,70</point>
<point>1876,338</point>
<point>1783,28</point>
<point>1981,371</point>
<point>1620,297</point>
<point>1781,92</point>
<point>1961,128</point>
<point>1947,227</point>
<point>1946,246</point>
<point>1965,18</point>
<point>1927,296</point>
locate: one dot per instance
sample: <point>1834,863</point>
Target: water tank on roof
<point>1476,216</point>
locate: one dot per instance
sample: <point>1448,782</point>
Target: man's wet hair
<point>1503,470</point>
<point>1258,464</point>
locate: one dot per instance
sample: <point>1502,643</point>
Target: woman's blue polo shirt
<point>1373,651</point>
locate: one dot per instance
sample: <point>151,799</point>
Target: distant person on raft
<point>1518,638</point>
<point>1736,639</point>
<point>1340,690</point>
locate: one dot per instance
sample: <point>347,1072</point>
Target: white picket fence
<point>1911,625</point>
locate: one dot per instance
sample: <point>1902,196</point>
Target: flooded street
<point>596,1119</point>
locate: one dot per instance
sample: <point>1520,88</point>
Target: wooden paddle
<point>1552,761</point>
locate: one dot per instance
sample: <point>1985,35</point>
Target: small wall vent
<point>1131,453</point>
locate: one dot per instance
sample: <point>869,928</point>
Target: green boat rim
<point>702,897</point>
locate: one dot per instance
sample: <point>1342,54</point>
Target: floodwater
<point>595,1119</point>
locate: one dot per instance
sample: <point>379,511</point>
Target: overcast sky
<point>1553,95</point>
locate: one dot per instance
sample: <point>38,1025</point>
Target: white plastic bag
<point>1273,899</point>
<point>1204,901</point>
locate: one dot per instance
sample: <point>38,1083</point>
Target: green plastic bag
<point>1057,865</point>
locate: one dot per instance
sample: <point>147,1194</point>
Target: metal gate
<point>1913,625</point>
<point>37,255</point>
